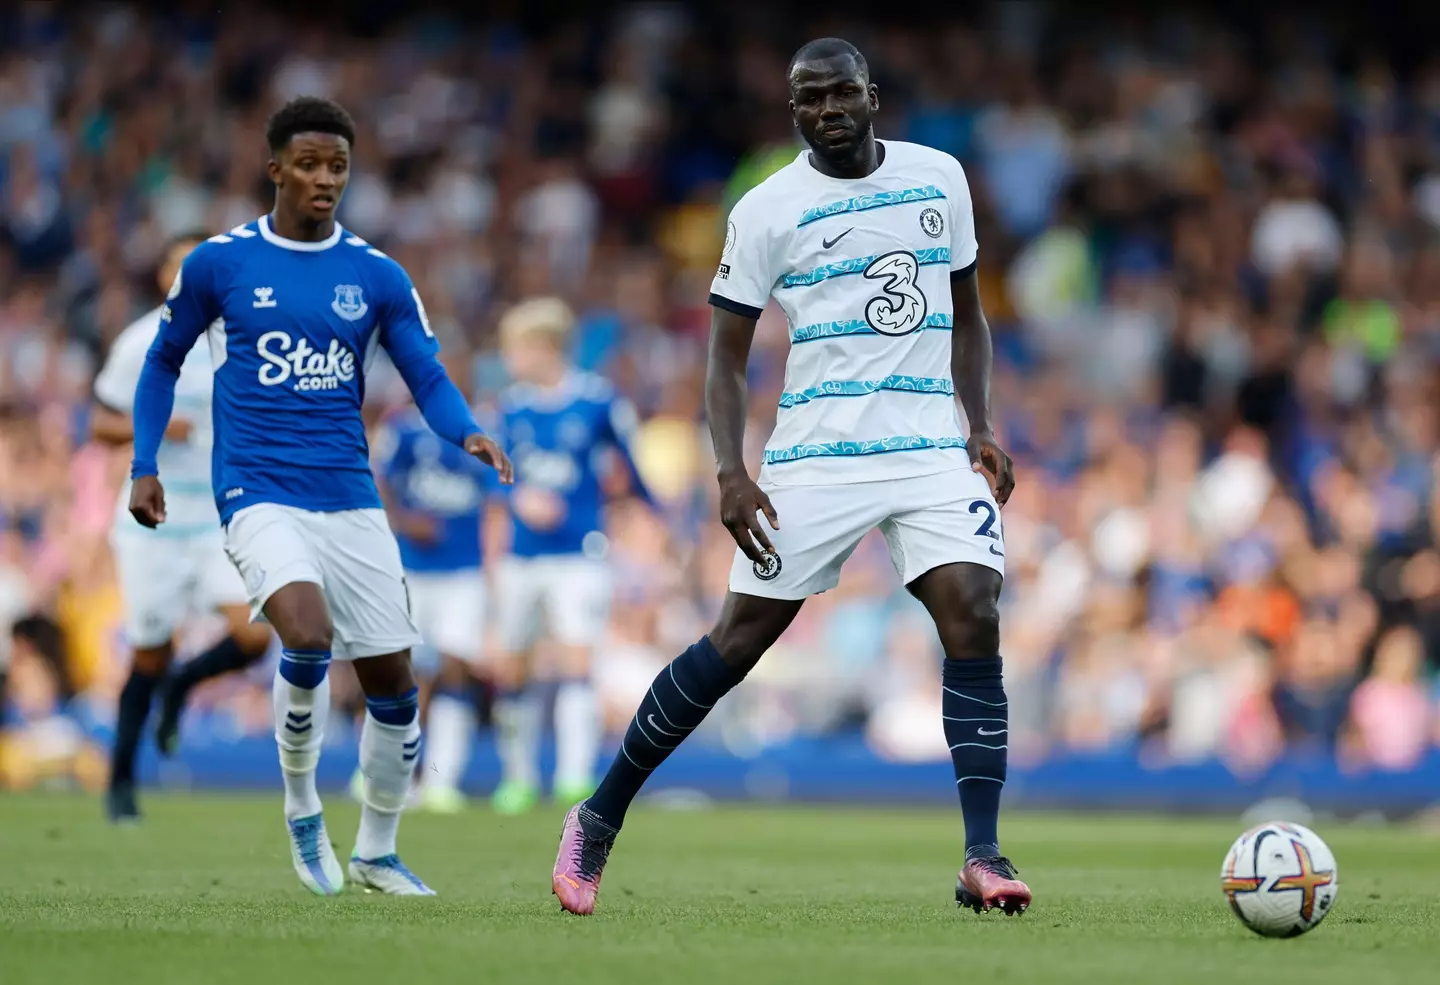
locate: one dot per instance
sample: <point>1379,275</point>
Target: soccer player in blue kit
<point>294,308</point>
<point>434,496</point>
<point>568,431</point>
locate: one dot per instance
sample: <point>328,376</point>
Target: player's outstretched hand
<point>987,456</point>
<point>147,501</point>
<point>490,453</point>
<point>740,502</point>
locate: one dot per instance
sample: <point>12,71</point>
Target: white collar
<point>275,239</point>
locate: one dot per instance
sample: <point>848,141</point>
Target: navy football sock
<point>677,702</point>
<point>221,658</point>
<point>977,731</point>
<point>134,708</point>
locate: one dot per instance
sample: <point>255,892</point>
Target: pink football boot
<point>985,883</point>
<point>585,843</point>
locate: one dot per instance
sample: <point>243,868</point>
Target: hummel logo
<point>263,297</point>
<point>998,731</point>
<point>827,243</point>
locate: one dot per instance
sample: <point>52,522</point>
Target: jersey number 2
<point>900,307</point>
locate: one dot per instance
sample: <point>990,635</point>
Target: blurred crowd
<point>1210,257</point>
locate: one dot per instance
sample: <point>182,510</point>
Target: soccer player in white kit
<point>869,248</point>
<point>168,575</point>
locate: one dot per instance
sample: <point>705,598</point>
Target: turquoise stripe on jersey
<point>840,268</point>
<point>172,531</point>
<point>864,203</point>
<point>861,388</point>
<point>850,449</point>
<point>859,326</point>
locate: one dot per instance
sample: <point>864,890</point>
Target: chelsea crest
<point>349,302</point>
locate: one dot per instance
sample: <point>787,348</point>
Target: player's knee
<point>454,673</point>
<point>252,638</point>
<point>738,646</point>
<point>152,660</point>
<point>971,627</point>
<point>748,627</point>
<point>386,676</point>
<point>314,639</point>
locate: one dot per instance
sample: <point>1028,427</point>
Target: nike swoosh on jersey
<point>998,731</point>
<point>827,243</point>
<point>995,552</point>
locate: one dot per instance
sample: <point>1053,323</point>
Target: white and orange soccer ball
<point>1281,879</point>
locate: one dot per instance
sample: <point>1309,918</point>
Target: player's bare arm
<point>970,358</point>
<point>725,403</point>
<point>111,427</point>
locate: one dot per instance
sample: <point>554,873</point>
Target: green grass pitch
<point>203,894</point>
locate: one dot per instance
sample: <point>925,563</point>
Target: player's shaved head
<point>823,49</point>
<point>308,114</point>
<point>833,102</point>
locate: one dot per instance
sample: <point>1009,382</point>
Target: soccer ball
<point>1280,879</point>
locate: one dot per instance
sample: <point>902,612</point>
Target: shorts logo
<point>349,302</point>
<point>312,369</point>
<point>255,580</point>
<point>768,568</point>
<point>932,223</point>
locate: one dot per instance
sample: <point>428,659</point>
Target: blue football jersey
<point>433,477</point>
<point>561,440</point>
<point>292,328</point>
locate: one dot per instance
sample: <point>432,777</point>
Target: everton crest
<point>349,302</point>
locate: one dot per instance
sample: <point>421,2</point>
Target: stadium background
<point>1210,252</point>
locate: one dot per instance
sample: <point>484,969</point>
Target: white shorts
<point>568,595</point>
<point>165,580</point>
<point>350,554</point>
<point>449,609</point>
<point>927,520</point>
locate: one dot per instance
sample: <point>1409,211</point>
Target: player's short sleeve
<point>404,328</point>
<point>115,384</point>
<point>747,272</point>
<point>963,246</point>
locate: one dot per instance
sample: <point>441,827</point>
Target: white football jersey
<point>861,267</point>
<point>184,466</point>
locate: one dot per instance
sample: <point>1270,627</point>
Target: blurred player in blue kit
<point>295,308</point>
<point>569,434</point>
<point>435,496</point>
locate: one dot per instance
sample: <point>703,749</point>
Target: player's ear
<point>874,96</point>
<point>273,169</point>
<point>793,118</point>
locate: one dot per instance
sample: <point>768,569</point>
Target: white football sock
<point>447,743</point>
<point>517,739</point>
<point>300,715</point>
<point>383,759</point>
<point>577,732</point>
